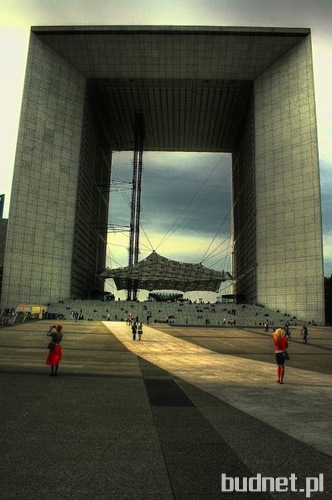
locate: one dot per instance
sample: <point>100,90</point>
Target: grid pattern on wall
<point>193,86</point>
<point>40,228</point>
<point>190,83</point>
<point>91,216</point>
<point>289,260</point>
<point>244,211</point>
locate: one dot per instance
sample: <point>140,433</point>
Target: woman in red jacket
<point>55,351</point>
<point>281,345</point>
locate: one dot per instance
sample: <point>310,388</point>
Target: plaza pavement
<point>306,403</point>
<point>158,419</point>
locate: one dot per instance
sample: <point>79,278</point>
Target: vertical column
<point>136,203</point>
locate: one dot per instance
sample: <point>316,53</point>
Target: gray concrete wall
<point>91,220</point>
<point>39,248</point>
<point>244,211</point>
<point>281,265</point>
<point>288,213</point>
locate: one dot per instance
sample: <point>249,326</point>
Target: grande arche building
<point>245,91</point>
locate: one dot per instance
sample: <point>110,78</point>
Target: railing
<point>17,317</point>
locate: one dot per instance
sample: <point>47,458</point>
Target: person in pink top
<point>281,345</point>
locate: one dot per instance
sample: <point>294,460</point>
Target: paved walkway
<point>160,419</point>
<point>304,411</point>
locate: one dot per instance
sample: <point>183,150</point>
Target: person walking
<point>54,349</point>
<point>140,330</point>
<point>281,345</point>
<point>305,334</point>
<point>134,329</point>
<point>287,330</point>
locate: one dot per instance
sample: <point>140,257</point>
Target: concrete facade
<point>248,91</point>
<point>288,210</point>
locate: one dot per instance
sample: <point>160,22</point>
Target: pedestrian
<point>134,329</point>
<point>266,326</point>
<point>286,330</point>
<point>281,345</point>
<point>140,330</point>
<point>54,349</point>
<point>305,334</point>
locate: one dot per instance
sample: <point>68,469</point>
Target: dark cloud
<point>180,192</point>
<point>325,178</point>
<point>189,196</point>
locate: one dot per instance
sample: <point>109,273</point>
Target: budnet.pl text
<point>260,484</point>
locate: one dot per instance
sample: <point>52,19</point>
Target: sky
<point>182,197</point>
<point>178,211</point>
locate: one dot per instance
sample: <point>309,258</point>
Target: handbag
<point>286,355</point>
<point>51,346</point>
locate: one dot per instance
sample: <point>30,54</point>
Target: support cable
<point>191,213</point>
<point>170,232</point>
<point>205,256</point>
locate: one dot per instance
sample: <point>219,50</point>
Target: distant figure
<point>266,326</point>
<point>281,345</point>
<point>134,330</point>
<point>54,349</point>
<point>305,334</point>
<point>140,330</point>
<point>108,317</point>
<point>287,331</point>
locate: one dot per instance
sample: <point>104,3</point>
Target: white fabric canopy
<point>156,272</point>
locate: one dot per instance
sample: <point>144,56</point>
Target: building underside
<point>245,91</point>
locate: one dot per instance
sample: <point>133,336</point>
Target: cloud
<point>325,179</point>
<point>187,191</point>
<point>192,248</point>
<point>185,207</point>
<point>185,200</point>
